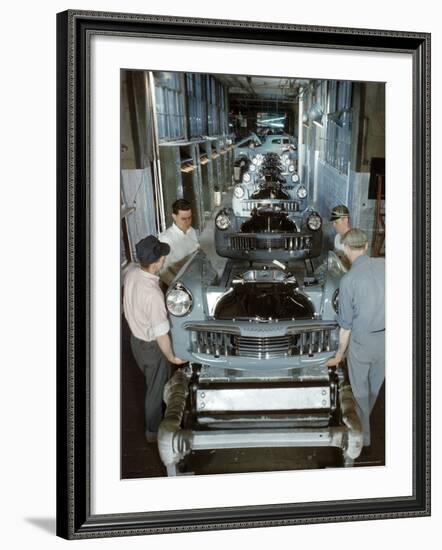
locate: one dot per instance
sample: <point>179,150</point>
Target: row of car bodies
<point>275,143</point>
<point>253,145</point>
<point>258,335</point>
<point>270,217</point>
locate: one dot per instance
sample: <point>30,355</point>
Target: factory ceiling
<point>246,91</point>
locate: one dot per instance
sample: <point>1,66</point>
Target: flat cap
<point>355,238</point>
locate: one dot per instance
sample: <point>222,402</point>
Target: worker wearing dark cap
<point>339,217</point>
<point>146,315</point>
<point>361,319</point>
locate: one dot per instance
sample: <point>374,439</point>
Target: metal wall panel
<point>137,191</point>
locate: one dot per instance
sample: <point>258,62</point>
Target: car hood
<point>270,192</point>
<point>268,221</point>
<point>264,301</point>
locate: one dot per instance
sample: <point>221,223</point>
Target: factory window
<point>196,105</point>
<point>169,106</point>
<point>337,146</point>
<point>216,107</point>
<point>222,109</point>
<point>212,106</point>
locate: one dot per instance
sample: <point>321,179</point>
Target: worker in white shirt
<point>182,239</point>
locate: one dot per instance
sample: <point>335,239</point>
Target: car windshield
<point>267,275</point>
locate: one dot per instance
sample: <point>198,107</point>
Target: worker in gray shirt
<point>362,325</point>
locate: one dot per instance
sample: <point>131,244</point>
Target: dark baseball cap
<point>339,211</point>
<point>150,249</point>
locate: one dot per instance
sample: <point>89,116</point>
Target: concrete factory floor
<point>140,459</point>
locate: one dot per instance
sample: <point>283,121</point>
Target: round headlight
<point>246,178</point>
<point>301,192</point>
<point>335,300</point>
<point>295,178</point>
<point>291,168</point>
<point>285,156</point>
<point>252,167</point>
<point>178,301</point>
<point>314,221</point>
<point>287,160</point>
<point>238,191</point>
<point>222,221</point>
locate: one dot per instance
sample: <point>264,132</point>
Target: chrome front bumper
<point>174,443</point>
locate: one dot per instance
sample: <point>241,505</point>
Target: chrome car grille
<point>289,206</point>
<point>305,342</point>
<point>261,347</point>
<point>267,241</point>
<point>242,242</point>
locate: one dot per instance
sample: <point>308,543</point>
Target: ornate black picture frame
<point>74,32</point>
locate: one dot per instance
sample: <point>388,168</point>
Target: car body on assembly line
<point>282,144</point>
<point>257,338</point>
<point>277,143</point>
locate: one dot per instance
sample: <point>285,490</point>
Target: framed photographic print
<point>243,274</point>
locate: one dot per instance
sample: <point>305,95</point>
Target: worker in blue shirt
<point>362,325</point>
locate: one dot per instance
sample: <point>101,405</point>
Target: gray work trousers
<point>366,369</point>
<point>156,370</point>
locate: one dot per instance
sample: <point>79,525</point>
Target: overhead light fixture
<point>272,119</point>
<point>341,118</point>
<point>305,120</point>
<point>271,124</point>
<point>315,114</point>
